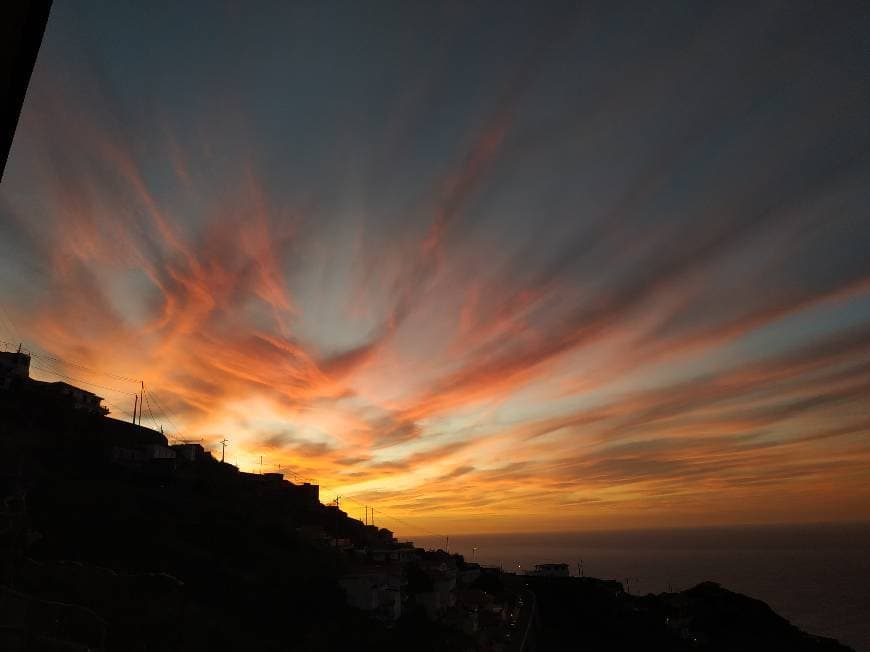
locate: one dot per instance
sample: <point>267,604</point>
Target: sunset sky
<point>485,267</point>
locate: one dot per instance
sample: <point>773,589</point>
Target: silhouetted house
<point>444,583</point>
<point>189,452</point>
<point>312,532</point>
<point>131,444</point>
<point>376,591</point>
<point>123,455</point>
<point>550,570</point>
<point>469,573</point>
<point>14,369</point>
<point>157,452</point>
<point>79,399</point>
<point>115,432</point>
<point>393,554</point>
<point>343,543</point>
<point>15,372</point>
<point>139,454</point>
<point>441,570</point>
<point>309,490</point>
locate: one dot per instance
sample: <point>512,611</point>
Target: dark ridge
<point>113,540</point>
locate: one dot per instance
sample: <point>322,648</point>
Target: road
<point>522,635</point>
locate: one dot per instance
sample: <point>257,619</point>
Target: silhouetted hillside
<point>601,616</point>
<point>227,564</point>
<point>111,540</point>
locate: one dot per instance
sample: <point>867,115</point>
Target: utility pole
<point>261,465</point>
<point>366,519</point>
<point>135,406</point>
<point>141,400</point>
<point>447,544</point>
<point>223,442</point>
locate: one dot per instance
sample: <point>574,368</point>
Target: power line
<point>80,380</point>
<point>12,330</point>
<point>54,361</point>
<point>115,408</point>
<point>165,411</point>
<point>48,359</point>
<point>84,367</point>
<point>148,404</point>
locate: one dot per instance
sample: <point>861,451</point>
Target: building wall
<point>14,368</point>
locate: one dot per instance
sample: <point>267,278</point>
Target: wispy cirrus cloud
<point>505,297</point>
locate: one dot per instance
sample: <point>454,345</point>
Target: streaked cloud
<point>580,280</point>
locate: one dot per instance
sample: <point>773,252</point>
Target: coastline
<point>812,574</point>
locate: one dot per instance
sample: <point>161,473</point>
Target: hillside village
<point>63,454</point>
<point>113,539</point>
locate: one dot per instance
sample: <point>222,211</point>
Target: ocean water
<point>816,576</point>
